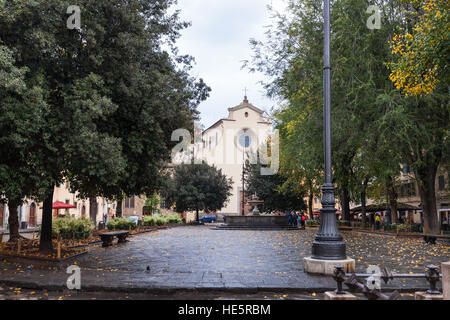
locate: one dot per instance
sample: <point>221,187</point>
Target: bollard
<point>58,254</point>
<point>19,245</point>
<point>432,275</point>
<point>338,276</point>
<point>339,293</point>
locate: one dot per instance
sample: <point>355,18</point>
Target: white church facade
<point>229,142</point>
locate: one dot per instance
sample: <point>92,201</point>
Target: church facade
<point>230,142</point>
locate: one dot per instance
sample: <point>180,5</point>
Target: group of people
<point>297,220</point>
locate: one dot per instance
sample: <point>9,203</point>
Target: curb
<point>172,290</point>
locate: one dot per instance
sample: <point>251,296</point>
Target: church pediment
<point>246,104</point>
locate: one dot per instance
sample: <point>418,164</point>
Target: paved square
<point>199,257</point>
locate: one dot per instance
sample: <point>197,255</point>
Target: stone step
<point>269,228</point>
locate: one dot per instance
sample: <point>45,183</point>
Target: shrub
<point>121,224</point>
<point>160,221</point>
<point>404,227</point>
<point>149,221</point>
<point>312,222</point>
<point>174,219</point>
<point>70,228</point>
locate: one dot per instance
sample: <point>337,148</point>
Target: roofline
<point>246,105</point>
<point>216,124</point>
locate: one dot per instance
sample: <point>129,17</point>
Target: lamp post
<point>243,170</point>
<point>328,244</point>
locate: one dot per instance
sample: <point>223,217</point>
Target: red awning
<point>61,205</point>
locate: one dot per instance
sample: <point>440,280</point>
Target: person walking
<point>303,217</point>
<point>377,222</point>
<point>289,214</point>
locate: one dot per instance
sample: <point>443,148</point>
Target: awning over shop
<point>382,207</point>
<point>61,205</point>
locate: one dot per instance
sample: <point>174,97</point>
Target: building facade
<point>230,142</point>
<point>30,213</point>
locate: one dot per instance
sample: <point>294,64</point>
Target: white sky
<point>219,41</point>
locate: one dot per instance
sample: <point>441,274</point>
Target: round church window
<point>245,140</point>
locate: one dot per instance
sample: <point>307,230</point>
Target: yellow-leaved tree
<point>421,52</point>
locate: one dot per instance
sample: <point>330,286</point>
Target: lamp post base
<point>326,267</point>
<point>329,250</point>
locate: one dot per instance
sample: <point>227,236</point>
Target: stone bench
<point>107,238</point>
<point>431,238</point>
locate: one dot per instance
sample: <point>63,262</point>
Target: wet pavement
<point>199,258</point>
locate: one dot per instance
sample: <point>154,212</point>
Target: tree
<point>114,95</point>
<point>422,48</point>
<point>292,57</point>
<point>20,121</point>
<point>270,189</point>
<point>153,202</point>
<point>417,128</point>
<point>196,187</point>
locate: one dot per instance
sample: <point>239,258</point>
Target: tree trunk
<point>119,208</point>
<point>45,245</point>
<point>310,205</point>
<point>197,217</point>
<point>427,191</point>
<point>13,220</point>
<point>363,207</point>
<point>345,204</point>
<point>393,196</point>
<point>93,209</point>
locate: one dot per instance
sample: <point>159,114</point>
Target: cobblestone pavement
<point>202,258</point>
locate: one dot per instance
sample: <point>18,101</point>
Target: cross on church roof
<point>245,97</point>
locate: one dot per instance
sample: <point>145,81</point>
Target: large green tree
<point>196,187</point>
<point>293,57</point>
<point>114,95</point>
<point>21,109</point>
<point>374,127</point>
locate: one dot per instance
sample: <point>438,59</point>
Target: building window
<point>441,183</point>
<point>67,201</point>
<point>246,114</point>
<point>129,203</point>
<point>245,140</point>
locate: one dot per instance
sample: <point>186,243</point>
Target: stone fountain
<point>256,221</point>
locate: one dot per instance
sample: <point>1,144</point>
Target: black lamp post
<point>243,169</point>
<point>328,244</point>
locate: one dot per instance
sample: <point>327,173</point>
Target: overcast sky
<point>219,41</point>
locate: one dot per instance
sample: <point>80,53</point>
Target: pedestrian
<point>295,220</point>
<point>303,222</point>
<point>289,217</point>
<point>377,222</point>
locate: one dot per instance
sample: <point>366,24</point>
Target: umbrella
<point>61,205</point>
